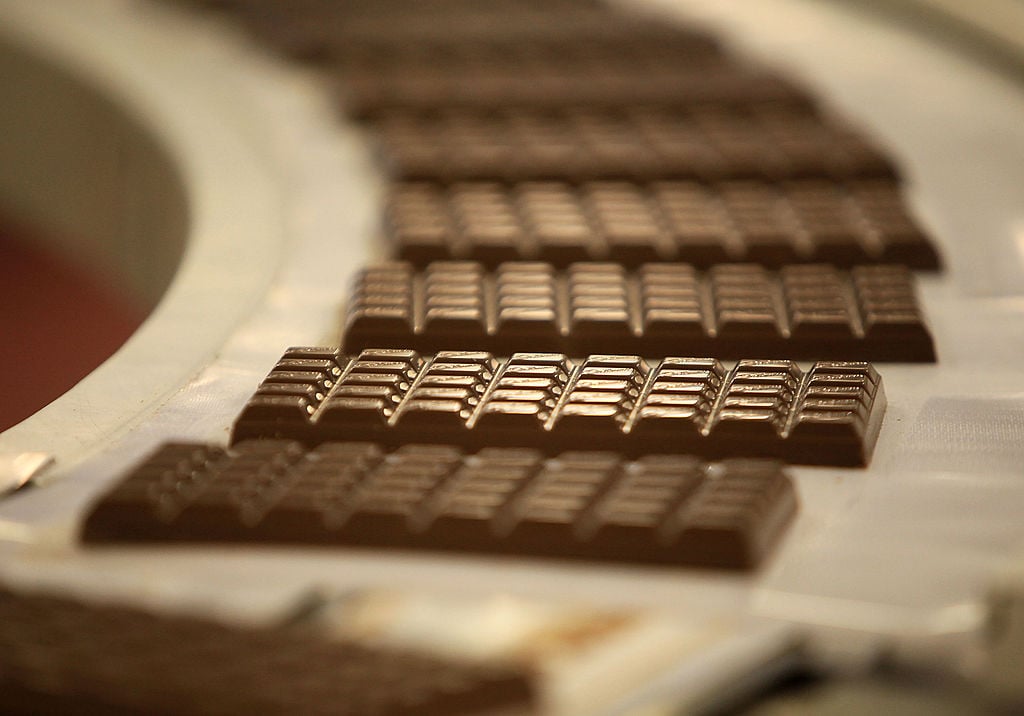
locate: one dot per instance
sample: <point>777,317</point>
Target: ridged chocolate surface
<point>760,141</point>
<point>808,312</point>
<point>842,223</point>
<point>582,505</point>
<point>829,415</point>
<point>58,655</point>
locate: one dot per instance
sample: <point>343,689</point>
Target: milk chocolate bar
<point>809,312</point>
<point>578,505</point>
<point>60,655</point>
<point>629,50</point>
<point>666,69</point>
<point>332,31</point>
<point>842,223</point>
<point>829,415</point>
<point>757,141</point>
<point>370,93</point>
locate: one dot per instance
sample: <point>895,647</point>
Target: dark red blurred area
<point>57,323</point>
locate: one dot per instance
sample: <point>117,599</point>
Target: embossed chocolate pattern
<point>772,224</point>
<point>582,505</point>
<point>829,415</point>
<point>756,141</point>
<point>808,312</point>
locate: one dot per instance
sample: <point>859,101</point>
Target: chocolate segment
<point>808,312</point>
<point>829,415</point>
<point>59,655</point>
<point>754,141</point>
<point>773,224</point>
<point>293,391</point>
<point>582,505</point>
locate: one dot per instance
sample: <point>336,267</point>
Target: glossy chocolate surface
<point>732,311</point>
<point>828,415</point>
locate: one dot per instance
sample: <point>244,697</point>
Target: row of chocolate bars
<point>568,180</point>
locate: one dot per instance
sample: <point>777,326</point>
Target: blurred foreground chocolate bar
<point>773,224</point>
<point>809,312</point>
<point>60,655</point>
<point>579,505</point>
<point>828,415</point>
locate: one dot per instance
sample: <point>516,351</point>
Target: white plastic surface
<point>902,550</point>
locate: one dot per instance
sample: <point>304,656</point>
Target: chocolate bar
<point>810,312</point>
<point>628,50</point>
<point>829,415</point>
<point>60,655</point>
<point>371,92</point>
<point>333,31</point>
<point>753,141</point>
<point>579,505</point>
<point>842,223</point>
